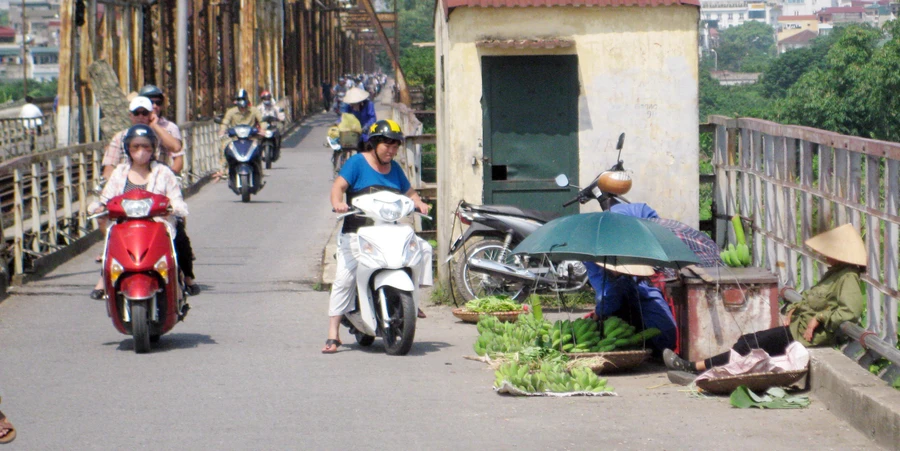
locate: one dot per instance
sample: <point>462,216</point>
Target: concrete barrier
<point>856,396</point>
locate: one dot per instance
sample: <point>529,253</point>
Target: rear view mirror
<point>621,141</point>
<point>562,181</point>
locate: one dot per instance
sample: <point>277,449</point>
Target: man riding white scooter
<point>370,171</point>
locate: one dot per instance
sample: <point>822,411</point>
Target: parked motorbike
<point>271,141</point>
<point>486,267</point>
<point>389,268</point>
<point>244,158</point>
<point>140,270</point>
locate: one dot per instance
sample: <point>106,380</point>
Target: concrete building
<point>791,25</point>
<point>729,13</point>
<point>796,41</point>
<point>528,89</point>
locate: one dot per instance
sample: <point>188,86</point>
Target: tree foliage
<point>746,48</point>
<point>855,92</point>
<point>785,70</point>
<point>12,90</point>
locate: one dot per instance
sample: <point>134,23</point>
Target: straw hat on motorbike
<point>629,270</point>
<point>842,243</point>
<point>355,95</point>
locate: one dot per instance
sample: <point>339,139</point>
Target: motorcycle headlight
<point>411,251</point>
<point>269,133</point>
<point>137,208</point>
<point>115,270</point>
<point>390,212</point>
<point>371,251</point>
<point>242,132</point>
<point>162,267</point>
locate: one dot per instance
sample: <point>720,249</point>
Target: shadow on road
<point>419,347</point>
<point>169,342</point>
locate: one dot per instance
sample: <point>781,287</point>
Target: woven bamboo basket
<point>608,362</point>
<point>757,381</point>
<point>472,317</point>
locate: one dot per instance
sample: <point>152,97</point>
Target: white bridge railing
<point>44,196</point>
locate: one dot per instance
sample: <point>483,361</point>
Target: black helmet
<point>385,129</point>
<point>242,99</point>
<point>136,131</point>
<point>151,91</point>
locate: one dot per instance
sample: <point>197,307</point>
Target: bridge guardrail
<point>23,136</point>
<point>791,182</point>
<point>44,196</point>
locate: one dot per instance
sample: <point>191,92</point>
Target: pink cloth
<point>796,357</point>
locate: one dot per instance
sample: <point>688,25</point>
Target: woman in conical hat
<point>815,320</point>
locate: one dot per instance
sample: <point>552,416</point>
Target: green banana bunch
<point>496,336</point>
<point>737,257</point>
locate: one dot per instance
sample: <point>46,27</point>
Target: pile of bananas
<point>551,377</point>
<point>584,335</point>
<point>496,336</point>
<point>737,256</point>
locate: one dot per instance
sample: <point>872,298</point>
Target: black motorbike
<point>486,266</point>
<point>271,141</point>
<point>244,158</point>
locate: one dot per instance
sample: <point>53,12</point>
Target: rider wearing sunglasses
<point>171,149</point>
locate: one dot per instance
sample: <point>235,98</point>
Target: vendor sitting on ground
<point>621,293</point>
<point>816,319</point>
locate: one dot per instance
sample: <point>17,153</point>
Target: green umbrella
<point>608,238</point>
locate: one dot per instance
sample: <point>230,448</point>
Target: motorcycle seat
<point>509,210</point>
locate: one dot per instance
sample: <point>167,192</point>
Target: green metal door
<point>530,107</point>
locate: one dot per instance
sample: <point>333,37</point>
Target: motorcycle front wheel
<point>363,339</point>
<point>140,327</point>
<point>268,153</point>
<point>473,285</point>
<point>245,188</point>
<point>398,336</point>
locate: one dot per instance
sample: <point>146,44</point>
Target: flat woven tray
<point>607,362</point>
<point>472,317</point>
<point>757,382</point>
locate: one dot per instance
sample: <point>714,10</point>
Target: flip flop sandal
<point>331,342</point>
<point>11,433</point>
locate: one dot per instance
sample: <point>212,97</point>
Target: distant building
<point>791,25</point>
<point>727,78</point>
<point>796,41</point>
<point>722,14</point>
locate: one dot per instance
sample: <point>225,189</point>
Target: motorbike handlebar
<point>98,215</point>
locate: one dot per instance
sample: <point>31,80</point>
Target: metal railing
<point>24,136</point>
<point>44,196</point>
<point>792,182</point>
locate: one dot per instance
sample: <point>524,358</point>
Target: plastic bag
<point>334,132</point>
<point>349,123</point>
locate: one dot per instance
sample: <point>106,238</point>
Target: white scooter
<point>391,261</point>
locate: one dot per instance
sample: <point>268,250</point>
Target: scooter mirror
<point>621,142</point>
<point>562,181</point>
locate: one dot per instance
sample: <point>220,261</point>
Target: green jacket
<point>835,299</point>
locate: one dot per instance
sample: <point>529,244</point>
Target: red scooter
<point>139,269</point>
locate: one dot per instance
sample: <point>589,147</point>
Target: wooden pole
<point>65,86</point>
<point>400,78</point>
<point>247,66</point>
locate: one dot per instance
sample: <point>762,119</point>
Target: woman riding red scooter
<point>140,273</point>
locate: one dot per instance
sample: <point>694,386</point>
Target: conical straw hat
<point>842,243</point>
<point>355,95</point>
<point>629,270</point>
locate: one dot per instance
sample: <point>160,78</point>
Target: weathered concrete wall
<point>638,75</point>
